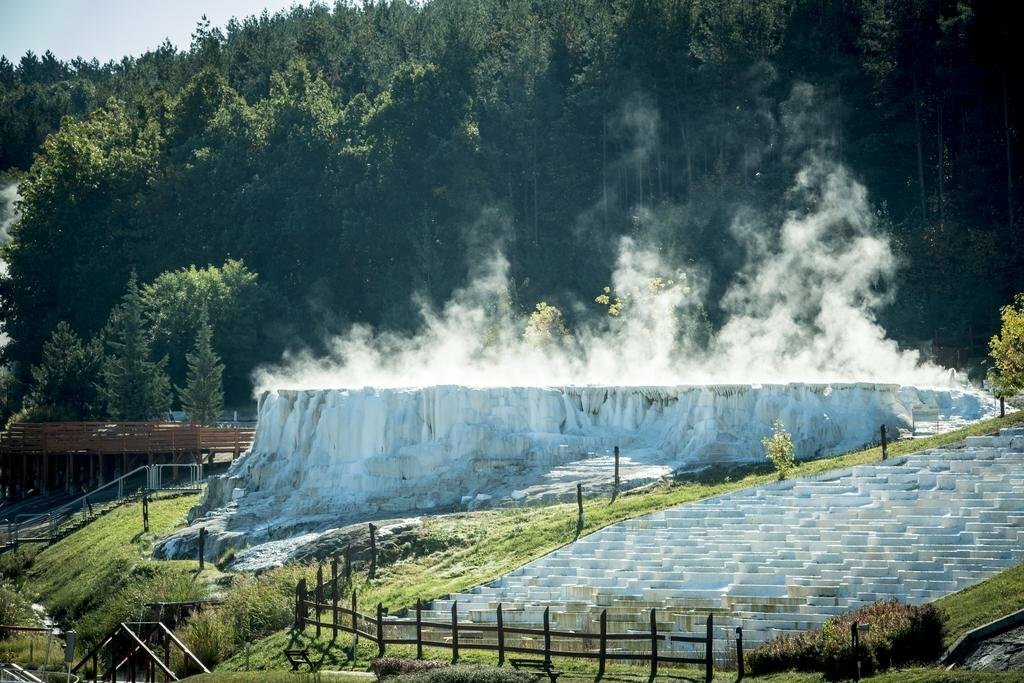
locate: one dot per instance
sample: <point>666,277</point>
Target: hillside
<point>357,155</point>
<point>101,574</point>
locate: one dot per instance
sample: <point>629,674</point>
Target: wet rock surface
<point>1004,652</point>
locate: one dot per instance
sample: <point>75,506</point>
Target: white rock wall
<point>402,449</point>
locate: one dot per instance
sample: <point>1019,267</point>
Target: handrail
<point>145,648</point>
<point>77,502</point>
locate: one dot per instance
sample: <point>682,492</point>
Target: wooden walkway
<point>50,455</point>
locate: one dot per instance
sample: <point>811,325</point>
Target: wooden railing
<point>311,609</point>
<point>108,438</point>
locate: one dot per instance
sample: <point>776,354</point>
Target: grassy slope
<point>102,574</point>
<point>465,550</point>
<point>903,676</point>
<point>983,602</point>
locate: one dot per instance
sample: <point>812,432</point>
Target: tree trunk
<point>604,172</point>
<point>920,151</point>
<point>941,165</point>
<point>1009,152</point>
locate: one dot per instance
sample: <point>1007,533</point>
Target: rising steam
<point>803,308</point>
<point>9,198</point>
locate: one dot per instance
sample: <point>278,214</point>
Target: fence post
<point>319,595</point>
<point>419,629</point>
<point>298,604</point>
<point>709,650</point>
<point>355,633</point>
<point>202,547</point>
<point>885,444</point>
<point>739,651</point>
<point>334,596</point>
<point>1002,406</point>
<point>348,563</point>
<point>615,486</point>
<point>654,644</point>
<point>380,629</point>
<point>145,513</point>
<point>579,508</point>
<point>373,551</point>
<point>300,611</point>
<point>602,652</point>
<point>547,637</point>
<point>501,637</point>
<point>854,646</point>
<point>455,632</point>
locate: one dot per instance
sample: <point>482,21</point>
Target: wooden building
<point>54,456</point>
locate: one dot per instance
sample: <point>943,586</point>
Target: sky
<point>111,29</point>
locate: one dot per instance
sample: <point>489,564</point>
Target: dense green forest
<point>329,162</point>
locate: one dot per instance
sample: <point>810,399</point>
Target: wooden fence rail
<point>313,606</point>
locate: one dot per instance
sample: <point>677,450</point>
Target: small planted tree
<point>202,399</point>
<point>779,449</point>
<point>1007,350</point>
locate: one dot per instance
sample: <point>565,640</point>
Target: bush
<point>396,666</point>
<point>254,608</point>
<point>899,635</point>
<point>210,637</point>
<point>468,674</point>
<point>779,449</point>
<point>14,608</point>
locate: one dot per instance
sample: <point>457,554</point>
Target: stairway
<point>787,556</point>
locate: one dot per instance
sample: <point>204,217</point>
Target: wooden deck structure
<point>50,456</point>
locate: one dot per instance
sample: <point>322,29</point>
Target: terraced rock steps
<point>783,557</point>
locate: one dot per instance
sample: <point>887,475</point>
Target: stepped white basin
<point>768,561</point>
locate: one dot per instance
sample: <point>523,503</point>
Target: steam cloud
<point>9,198</point>
<point>802,309</point>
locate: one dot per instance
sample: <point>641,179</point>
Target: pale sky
<point>111,29</point>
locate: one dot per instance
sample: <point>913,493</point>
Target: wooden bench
<point>538,667</point>
<point>300,657</point>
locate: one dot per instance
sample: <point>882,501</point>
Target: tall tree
<point>202,399</point>
<point>133,385</point>
<point>65,385</point>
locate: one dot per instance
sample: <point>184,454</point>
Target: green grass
<point>983,602</point>
<point>102,574</point>
<point>456,552</point>
<point>918,675</point>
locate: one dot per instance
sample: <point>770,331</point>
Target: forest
<point>291,174</point>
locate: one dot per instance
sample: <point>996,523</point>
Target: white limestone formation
<point>323,458</point>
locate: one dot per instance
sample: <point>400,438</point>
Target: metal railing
<point>47,526</point>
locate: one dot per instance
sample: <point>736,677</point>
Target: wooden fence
<point>325,602</point>
<point>110,438</point>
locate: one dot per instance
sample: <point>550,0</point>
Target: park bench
<point>300,657</point>
<point>538,667</point>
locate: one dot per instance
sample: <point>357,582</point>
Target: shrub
<point>779,448</point>
<point>210,637</point>
<point>468,674</point>
<point>254,607</point>
<point>899,635</point>
<point>396,666</point>
<point>14,608</point>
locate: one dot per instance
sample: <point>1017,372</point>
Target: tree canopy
<point>351,156</point>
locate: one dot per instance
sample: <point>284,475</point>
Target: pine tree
<point>133,385</point>
<point>65,380</point>
<point>203,396</point>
